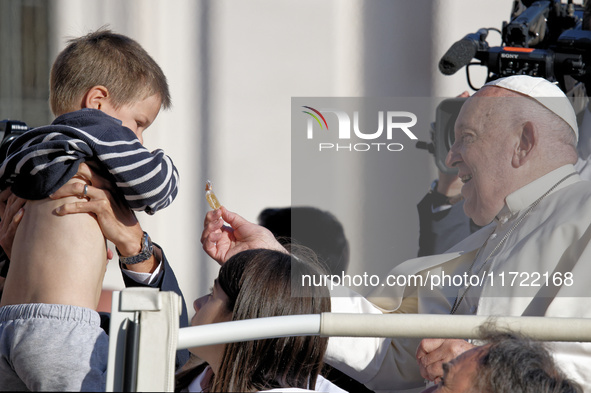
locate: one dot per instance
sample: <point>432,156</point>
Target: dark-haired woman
<point>257,284</point>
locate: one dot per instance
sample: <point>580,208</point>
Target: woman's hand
<point>117,222</point>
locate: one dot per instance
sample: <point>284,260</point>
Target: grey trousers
<point>52,347</point>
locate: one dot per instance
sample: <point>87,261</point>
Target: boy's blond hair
<point>104,58</point>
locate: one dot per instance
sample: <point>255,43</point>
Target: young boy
<point>106,90</point>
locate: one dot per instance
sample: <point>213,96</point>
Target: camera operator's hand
<point>449,185</point>
<point>116,220</point>
<point>11,214</point>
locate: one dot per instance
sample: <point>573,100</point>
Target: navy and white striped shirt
<point>43,159</point>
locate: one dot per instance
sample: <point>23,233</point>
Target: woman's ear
<point>95,97</point>
<point>527,142</point>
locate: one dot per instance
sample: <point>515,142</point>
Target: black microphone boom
<point>462,52</point>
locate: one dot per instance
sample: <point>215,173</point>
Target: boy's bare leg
<point>56,259</point>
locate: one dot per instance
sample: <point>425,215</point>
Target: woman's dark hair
<point>259,284</point>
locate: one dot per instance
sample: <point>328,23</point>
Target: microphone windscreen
<point>459,55</point>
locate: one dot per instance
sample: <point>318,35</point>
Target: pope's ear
<point>527,141</point>
<point>95,97</point>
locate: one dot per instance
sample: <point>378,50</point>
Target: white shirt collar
<point>528,194</point>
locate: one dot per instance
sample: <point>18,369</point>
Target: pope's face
<point>482,152</point>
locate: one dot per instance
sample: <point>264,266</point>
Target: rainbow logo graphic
<point>316,117</point>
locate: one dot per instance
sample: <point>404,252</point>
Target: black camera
<point>547,39</point>
<point>442,132</point>
<point>9,131</point>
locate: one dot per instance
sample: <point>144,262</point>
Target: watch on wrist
<point>146,252</point>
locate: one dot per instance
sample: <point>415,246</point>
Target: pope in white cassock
<point>515,146</point>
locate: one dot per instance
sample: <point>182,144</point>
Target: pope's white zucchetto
<point>546,93</point>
